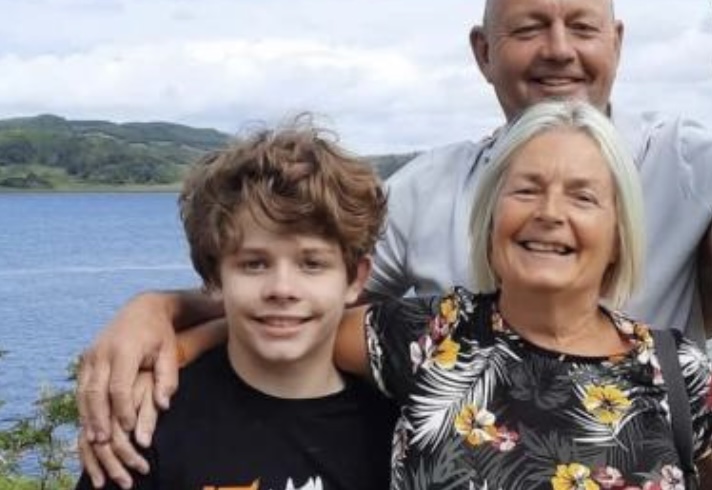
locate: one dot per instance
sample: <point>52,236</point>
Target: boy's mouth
<point>282,320</point>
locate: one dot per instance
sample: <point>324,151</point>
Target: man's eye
<point>584,28</point>
<point>527,30</point>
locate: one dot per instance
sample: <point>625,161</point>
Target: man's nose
<point>558,45</point>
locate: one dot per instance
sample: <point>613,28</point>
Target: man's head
<point>294,180</point>
<point>537,49</point>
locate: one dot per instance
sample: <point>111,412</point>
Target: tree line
<point>37,152</point>
<point>46,152</point>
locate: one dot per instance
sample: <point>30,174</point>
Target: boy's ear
<point>213,292</point>
<point>363,270</point>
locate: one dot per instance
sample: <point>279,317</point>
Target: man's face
<point>531,50</point>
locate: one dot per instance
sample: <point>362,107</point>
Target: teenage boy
<point>280,226</point>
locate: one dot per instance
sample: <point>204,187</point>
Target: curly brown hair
<point>295,179</point>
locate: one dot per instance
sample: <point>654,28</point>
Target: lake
<point>67,262</point>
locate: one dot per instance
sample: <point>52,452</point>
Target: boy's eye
<point>252,265</point>
<point>314,265</point>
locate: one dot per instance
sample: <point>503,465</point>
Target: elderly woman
<point>537,381</point>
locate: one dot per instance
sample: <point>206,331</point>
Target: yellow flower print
<point>607,403</point>
<point>446,353</point>
<point>573,476</point>
<point>642,332</point>
<point>477,425</point>
<point>448,309</point>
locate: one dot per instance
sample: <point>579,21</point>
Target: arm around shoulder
<point>141,335</point>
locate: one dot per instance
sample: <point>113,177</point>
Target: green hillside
<point>53,153</point>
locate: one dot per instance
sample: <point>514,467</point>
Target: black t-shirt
<point>222,434</point>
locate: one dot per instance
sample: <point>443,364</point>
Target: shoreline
<point>92,189</point>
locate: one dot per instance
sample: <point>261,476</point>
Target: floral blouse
<point>482,408</point>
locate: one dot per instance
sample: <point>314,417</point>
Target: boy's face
<point>284,296</point>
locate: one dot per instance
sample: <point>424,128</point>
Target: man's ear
<point>619,30</point>
<point>363,270</point>
<point>480,49</point>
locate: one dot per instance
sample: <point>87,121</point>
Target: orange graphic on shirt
<point>255,486</point>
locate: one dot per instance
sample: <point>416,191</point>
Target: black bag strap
<point>681,418</point>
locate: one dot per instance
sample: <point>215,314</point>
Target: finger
<point>104,453</point>
<point>80,398</point>
<point>126,452</point>
<point>124,371</point>
<point>89,462</point>
<point>95,400</point>
<point>166,374</point>
<point>147,414</point>
<point>112,465</point>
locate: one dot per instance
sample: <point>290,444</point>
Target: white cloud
<point>392,74</point>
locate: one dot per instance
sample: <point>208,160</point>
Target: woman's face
<point>555,218</point>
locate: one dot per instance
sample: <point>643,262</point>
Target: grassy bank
<point>40,178</point>
<point>92,188</point>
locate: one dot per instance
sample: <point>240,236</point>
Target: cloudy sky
<point>392,75</point>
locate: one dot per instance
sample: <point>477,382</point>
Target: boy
<point>281,227</point>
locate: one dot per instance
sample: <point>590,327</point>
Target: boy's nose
<point>280,284</point>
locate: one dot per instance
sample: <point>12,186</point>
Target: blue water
<point>67,262</point>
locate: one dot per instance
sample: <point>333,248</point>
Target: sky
<point>388,75</point>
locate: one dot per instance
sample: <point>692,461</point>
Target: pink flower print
<point>608,477</point>
<point>506,440</point>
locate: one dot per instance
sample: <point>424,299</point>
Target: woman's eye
<point>525,191</point>
<point>587,198</point>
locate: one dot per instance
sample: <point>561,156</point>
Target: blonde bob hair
<point>623,276</point>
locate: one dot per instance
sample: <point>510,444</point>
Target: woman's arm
<point>350,350</point>
<point>195,342</point>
